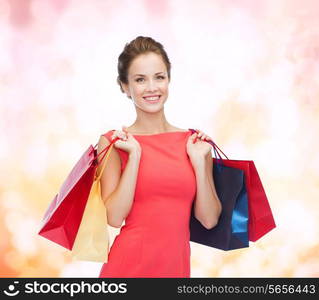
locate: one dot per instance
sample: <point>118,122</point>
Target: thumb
<point>193,137</point>
<point>124,128</point>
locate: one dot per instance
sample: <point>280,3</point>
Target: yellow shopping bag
<point>92,240</point>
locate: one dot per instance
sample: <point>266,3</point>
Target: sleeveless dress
<point>154,241</point>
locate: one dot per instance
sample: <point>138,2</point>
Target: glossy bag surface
<point>63,217</point>
<point>92,239</point>
<point>231,232</point>
<point>260,217</point>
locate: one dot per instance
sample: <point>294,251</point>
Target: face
<point>147,76</point>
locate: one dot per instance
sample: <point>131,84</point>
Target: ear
<point>126,89</point>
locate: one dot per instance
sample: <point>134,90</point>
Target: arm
<point>118,191</point>
<point>207,206</point>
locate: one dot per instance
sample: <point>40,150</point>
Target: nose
<point>151,86</point>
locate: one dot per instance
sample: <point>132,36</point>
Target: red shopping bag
<point>63,217</point>
<point>261,219</point>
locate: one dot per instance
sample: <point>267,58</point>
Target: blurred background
<point>245,72</point>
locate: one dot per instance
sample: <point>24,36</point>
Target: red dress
<point>154,242</point>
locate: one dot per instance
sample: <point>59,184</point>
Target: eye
<point>159,77</point>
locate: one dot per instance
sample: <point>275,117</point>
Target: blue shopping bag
<point>231,231</point>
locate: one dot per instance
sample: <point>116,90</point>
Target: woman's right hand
<point>127,142</point>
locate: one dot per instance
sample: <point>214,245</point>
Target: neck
<point>150,123</point>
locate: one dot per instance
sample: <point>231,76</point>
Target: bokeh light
<point>245,72</point>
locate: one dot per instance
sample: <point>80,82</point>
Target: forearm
<point>207,206</point>
<point>119,203</point>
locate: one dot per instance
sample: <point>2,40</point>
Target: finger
<point>204,136</point>
<point>123,137</point>
<point>118,134</point>
<point>194,137</point>
<point>124,128</point>
<point>200,133</point>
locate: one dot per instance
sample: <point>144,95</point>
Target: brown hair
<point>138,46</point>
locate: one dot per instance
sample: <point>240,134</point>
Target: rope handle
<point>107,151</point>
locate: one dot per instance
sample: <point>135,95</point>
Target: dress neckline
<point>162,133</point>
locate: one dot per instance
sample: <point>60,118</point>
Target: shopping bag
<point>260,217</point>
<point>92,240</point>
<point>62,219</point>
<point>231,232</point>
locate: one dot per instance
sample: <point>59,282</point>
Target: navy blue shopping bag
<point>231,232</point>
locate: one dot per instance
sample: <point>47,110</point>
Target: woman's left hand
<point>197,147</point>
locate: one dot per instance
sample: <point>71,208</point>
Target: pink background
<point>245,72</point>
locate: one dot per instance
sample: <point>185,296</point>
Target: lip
<point>153,101</point>
<point>151,96</point>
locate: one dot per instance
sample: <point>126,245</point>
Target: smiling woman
<point>154,173</point>
<point>151,87</point>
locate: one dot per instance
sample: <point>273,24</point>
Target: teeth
<point>152,98</point>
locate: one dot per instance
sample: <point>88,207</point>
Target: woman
<point>155,172</point>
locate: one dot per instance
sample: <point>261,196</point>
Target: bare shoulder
<point>102,143</point>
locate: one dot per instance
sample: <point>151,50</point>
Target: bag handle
<point>106,148</point>
<point>215,147</point>
<point>107,151</point>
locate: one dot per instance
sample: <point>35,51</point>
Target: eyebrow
<point>144,75</point>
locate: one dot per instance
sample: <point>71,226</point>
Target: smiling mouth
<point>152,99</point>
